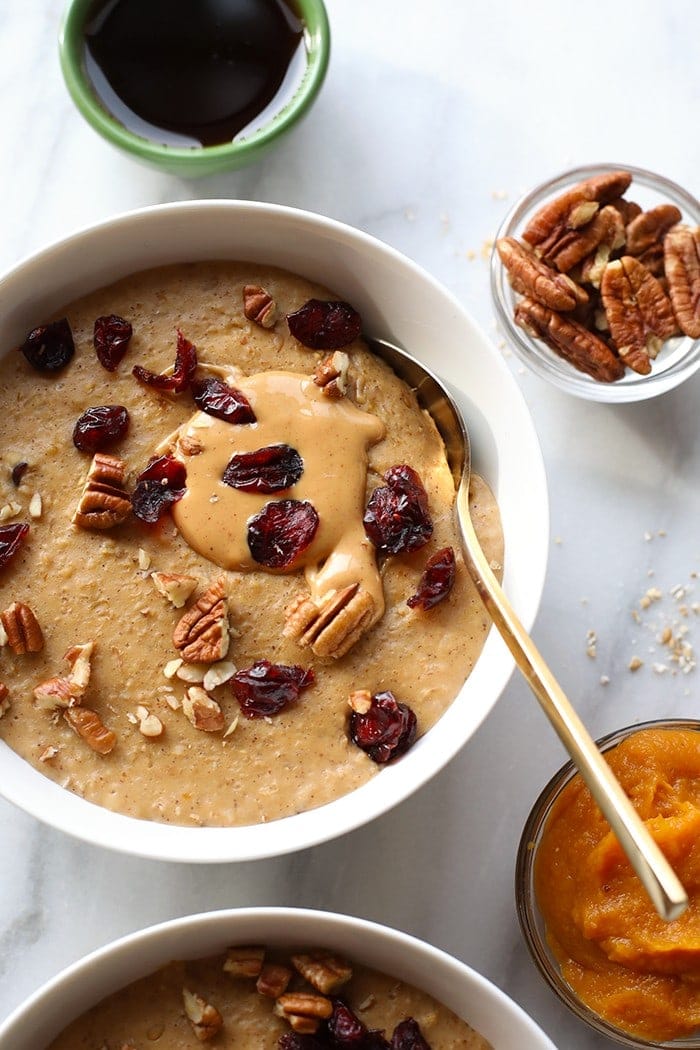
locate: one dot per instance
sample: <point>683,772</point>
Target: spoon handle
<point>658,878</point>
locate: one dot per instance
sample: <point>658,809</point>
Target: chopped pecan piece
<point>149,725</point>
<point>202,710</point>
<point>259,306</point>
<point>67,690</point>
<point>88,725</point>
<point>639,312</point>
<point>303,1010</point>
<point>273,980</point>
<point>332,626</point>
<point>325,972</point>
<point>4,699</point>
<point>244,962</point>
<point>332,374</point>
<point>174,586</point>
<point>104,503</point>
<point>22,629</point>
<point>189,446</point>
<point>573,209</point>
<point>530,276</point>
<point>360,700</point>
<point>570,340</point>
<point>202,635</point>
<point>682,266</point>
<point>205,1019</point>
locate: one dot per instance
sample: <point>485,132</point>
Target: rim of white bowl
<point>84,983</point>
<point>152,228</point>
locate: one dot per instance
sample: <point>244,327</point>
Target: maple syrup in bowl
<point>194,87</point>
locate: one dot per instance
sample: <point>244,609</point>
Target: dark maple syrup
<point>193,72</point>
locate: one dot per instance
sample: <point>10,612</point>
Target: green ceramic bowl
<point>196,160</point>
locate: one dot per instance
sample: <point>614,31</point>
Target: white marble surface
<point>433,119</point>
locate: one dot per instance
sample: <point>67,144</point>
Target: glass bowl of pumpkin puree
<point>588,924</point>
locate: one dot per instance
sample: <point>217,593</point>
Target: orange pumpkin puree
<point>628,965</point>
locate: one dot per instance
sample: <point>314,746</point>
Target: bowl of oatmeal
<point>271,978</point>
<point>235,617</point>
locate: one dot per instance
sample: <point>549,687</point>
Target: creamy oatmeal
<point>216,1000</point>
<point>178,748</point>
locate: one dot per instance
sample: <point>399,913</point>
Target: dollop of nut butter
<point>331,436</point>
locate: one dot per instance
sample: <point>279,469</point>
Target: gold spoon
<point>663,887</point>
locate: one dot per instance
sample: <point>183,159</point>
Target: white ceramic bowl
<point>397,300</point>
<point>39,1020</point>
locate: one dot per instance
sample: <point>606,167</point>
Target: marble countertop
<point>433,119</point>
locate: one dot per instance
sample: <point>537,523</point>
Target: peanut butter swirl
<point>331,436</point>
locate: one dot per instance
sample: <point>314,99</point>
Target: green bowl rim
<point>317,38</point>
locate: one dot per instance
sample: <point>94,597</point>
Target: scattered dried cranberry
<point>160,484</point>
<point>11,539</point>
<point>281,532</point>
<point>216,398</point>
<point>110,338</point>
<point>345,1028</point>
<point>408,1036</point>
<point>323,325</point>
<point>50,346</point>
<point>99,427</point>
<point>397,519</point>
<point>386,731</point>
<point>265,689</point>
<point>18,472</point>
<point>268,469</point>
<point>183,371</point>
<point>436,581</point>
<point>295,1041</point>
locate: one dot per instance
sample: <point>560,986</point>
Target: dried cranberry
<point>436,581</point>
<point>216,398</point>
<point>397,519</point>
<point>110,338</point>
<point>18,472</point>
<point>160,484</point>
<point>265,689</point>
<point>408,1036</point>
<point>268,469</point>
<point>345,1028</point>
<point>50,346</point>
<point>295,1041</point>
<point>183,370</point>
<point>11,539</point>
<point>323,325</point>
<point>281,532</point>
<point>99,427</point>
<point>386,731</point>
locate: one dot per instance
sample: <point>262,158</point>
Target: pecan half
<point>90,727</point>
<point>205,1019</point>
<point>333,626</point>
<point>568,249</point>
<point>613,237</point>
<point>259,306</point>
<point>332,374</point>
<point>303,1011</point>
<point>202,635</point>
<point>103,503</point>
<point>530,276</point>
<point>639,312</point>
<point>628,209</point>
<point>4,699</point>
<point>573,209</point>
<point>650,227</point>
<point>174,586</point>
<point>325,972</point>
<point>22,629</point>
<point>202,710</point>
<point>682,266</point>
<point>273,980</point>
<point>570,340</point>
<point>244,962</point>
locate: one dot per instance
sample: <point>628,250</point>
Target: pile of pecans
<point>605,283</point>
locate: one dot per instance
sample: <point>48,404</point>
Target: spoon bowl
<point>663,887</point>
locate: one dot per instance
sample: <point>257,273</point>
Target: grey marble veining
<point>434,118</point>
